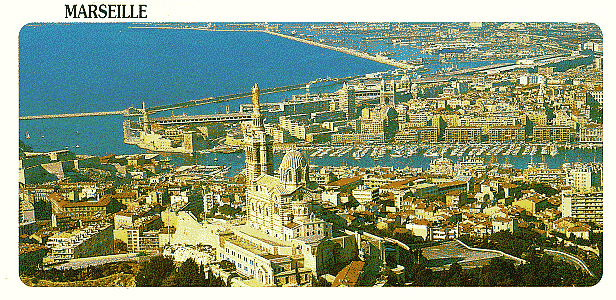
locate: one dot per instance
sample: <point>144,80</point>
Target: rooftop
<point>247,230</point>
<point>25,248</point>
<point>345,181</point>
<point>349,275</point>
<point>397,184</point>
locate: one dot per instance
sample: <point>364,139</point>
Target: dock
<point>356,53</point>
<point>131,111</point>
<point>76,115</point>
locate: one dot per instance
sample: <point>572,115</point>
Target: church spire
<point>255,94</point>
<point>257,118</point>
<point>258,144</point>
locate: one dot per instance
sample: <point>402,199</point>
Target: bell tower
<point>257,118</point>
<point>258,145</point>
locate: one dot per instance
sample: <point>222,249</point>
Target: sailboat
<point>27,135</point>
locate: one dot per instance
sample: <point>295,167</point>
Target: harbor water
<point>417,160</point>
<point>72,68</point>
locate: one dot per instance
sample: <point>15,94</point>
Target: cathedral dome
<point>293,160</point>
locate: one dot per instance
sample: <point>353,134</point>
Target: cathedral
<point>283,241</point>
<point>280,206</point>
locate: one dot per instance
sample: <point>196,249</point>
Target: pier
<point>76,115</point>
<point>218,99</point>
<point>131,111</point>
<point>356,53</point>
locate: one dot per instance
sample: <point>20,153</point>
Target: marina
<point>411,155</point>
<point>462,151</point>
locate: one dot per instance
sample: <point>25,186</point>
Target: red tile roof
<point>345,181</point>
<point>453,183</point>
<point>502,220</point>
<point>55,197</point>
<point>578,229</point>
<point>104,201</point>
<point>508,185</point>
<point>349,275</point>
<point>127,194</point>
<point>421,222</point>
<point>397,184</point>
<point>25,248</point>
<point>291,225</point>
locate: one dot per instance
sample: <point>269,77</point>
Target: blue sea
<point>71,68</point>
<point>109,67</point>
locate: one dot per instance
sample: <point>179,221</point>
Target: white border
<point>15,14</point>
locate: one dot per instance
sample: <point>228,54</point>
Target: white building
<point>364,194</point>
<point>584,207</point>
<point>277,205</point>
<point>580,180</point>
<point>332,197</point>
<point>209,199</point>
<point>532,79</point>
<point>94,240</point>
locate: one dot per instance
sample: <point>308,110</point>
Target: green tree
<point>228,210</point>
<point>499,272</point>
<point>154,271</point>
<point>454,275</point>
<point>212,212</point>
<point>227,265</point>
<point>190,274</point>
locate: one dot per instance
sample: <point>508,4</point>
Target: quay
<point>131,111</point>
<point>76,115</point>
<point>230,117</point>
<point>344,50</point>
<point>218,99</point>
<point>539,61</point>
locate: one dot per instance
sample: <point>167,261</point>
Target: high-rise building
<point>346,98</point>
<point>381,121</point>
<point>580,180</point>
<point>584,207</point>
